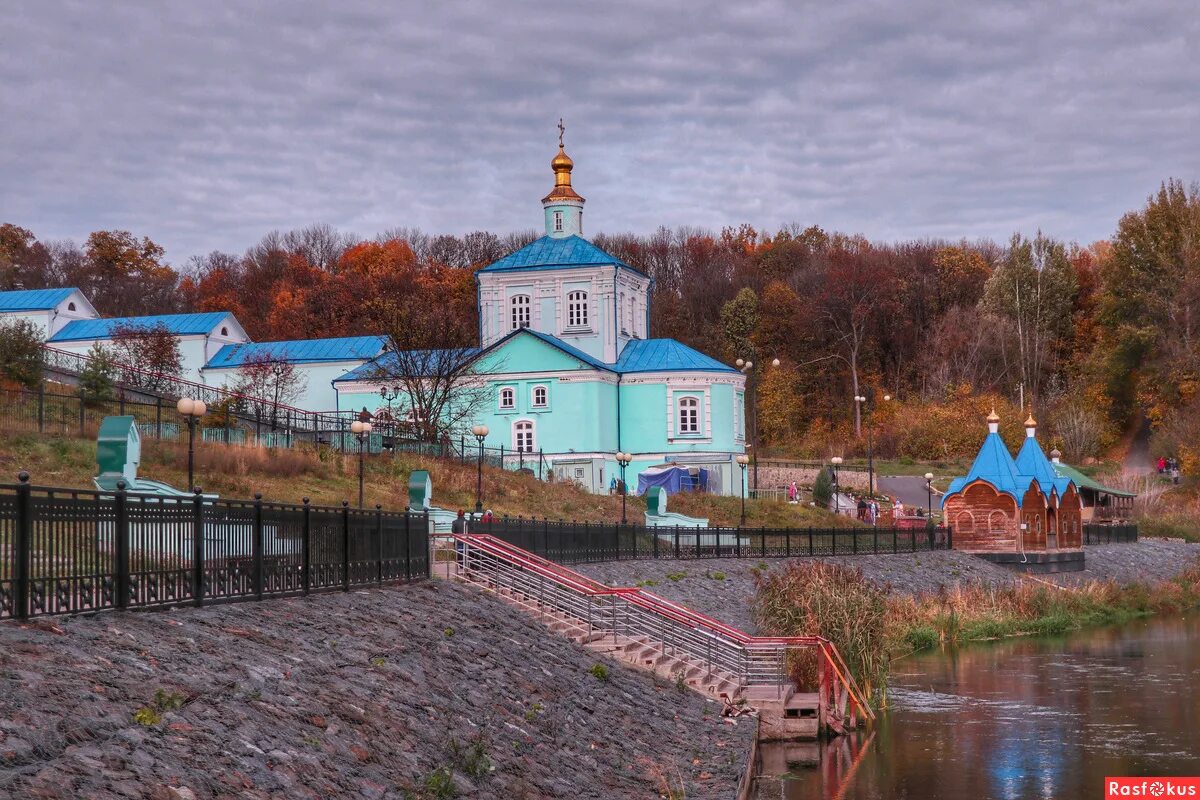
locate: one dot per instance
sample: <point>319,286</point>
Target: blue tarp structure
<point>673,479</point>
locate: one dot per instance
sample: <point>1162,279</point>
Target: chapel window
<point>577,310</point>
<point>523,436</point>
<point>689,415</point>
<point>558,220</point>
<point>520,311</point>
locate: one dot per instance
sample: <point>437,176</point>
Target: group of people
<point>1169,466</point>
<point>868,510</point>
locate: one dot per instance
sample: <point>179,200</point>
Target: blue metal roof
<point>300,351</point>
<point>995,466</point>
<point>33,299</point>
<point>548,253</point>
<point>178,324</point>
<point>666,355</point>
<point>387,365</point>
<point>1031,460</point>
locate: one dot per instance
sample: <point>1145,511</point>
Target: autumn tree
<point>20,353</point>
<point>267,384</point>
<point>739,318</point>
<point>98,378</point>
<point>126,276</point>
<point>149,355</point>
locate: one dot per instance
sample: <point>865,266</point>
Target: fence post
<point>408,545</point>
<point>306,554</point>
<point>345,545</point>
<point>257,546</point>
<point>379,543</point>
<point>158,417</point>
<point>617,542</point>
<point>854,541</point>
<point>676,542</point>
<point>810,541</point>
<point>22,547</point>
<point>41,407</point>
<point>787,541</point>
<point>833,536</point>
<point>81,409</point>
<point>197,547</point>
<point>121,544</point>
<point>654,539</point>
<point>949,538</point>
<point>895,549</point>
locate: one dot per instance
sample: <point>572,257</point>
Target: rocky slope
<point>425,691</point>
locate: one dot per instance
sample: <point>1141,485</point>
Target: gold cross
<point>561,128</point>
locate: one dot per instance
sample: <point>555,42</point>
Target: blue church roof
<point>1031,460</point>
<point>33,299</point>
<point>387,364</point>
<point>301,351</point>
<point>665,355</point>
<point>549,253</point>
<point>995,466</point>
<point>178,324</point>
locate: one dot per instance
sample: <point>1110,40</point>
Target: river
<point>1022,718</point>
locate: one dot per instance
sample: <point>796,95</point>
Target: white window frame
<point>577,309</point>
<point>520,311</point>
<point>511,393</point>
<point>524,426</point>
<point>739,418</point>
<point>694,426</point>
<point>533,393</point>
<point>558,221</point>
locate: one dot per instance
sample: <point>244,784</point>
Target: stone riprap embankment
<point>385,693</point>
<point>724,588</point>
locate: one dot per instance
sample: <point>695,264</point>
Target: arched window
<point>224,331</point>
<point>70,306</point>
<point>541,397</point>
<point>558,221</point>
<point>523,441</point>
<point>520,311</point>
<point>577,310</point>
<point>689,415</point>
<point>508,398</point>
<point>965,522</point>
<point>997,521</point>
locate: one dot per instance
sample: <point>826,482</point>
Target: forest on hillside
<point>1095,337</point>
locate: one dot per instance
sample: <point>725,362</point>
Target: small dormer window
<point>224,331</point>
<point>70,306</point>
<point>558,221</point>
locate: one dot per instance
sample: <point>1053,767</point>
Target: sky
<point>204,125</point>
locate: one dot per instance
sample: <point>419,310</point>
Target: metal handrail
<point>753,660</point>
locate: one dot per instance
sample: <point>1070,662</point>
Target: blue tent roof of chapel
<point>666,355</point>
<point>550,253</point>
<point>300,351</point>
<point>33,299</point>
<point>995,466</point>
<point>1032,461</point>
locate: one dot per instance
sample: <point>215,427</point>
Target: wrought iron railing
<point>65,551</point>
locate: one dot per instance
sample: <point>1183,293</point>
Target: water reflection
<point>1029,718</point>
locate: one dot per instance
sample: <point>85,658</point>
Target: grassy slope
<point>328,478</point>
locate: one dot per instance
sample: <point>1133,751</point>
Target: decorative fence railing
<point>1109,534</point>
<point>582,542</point>
<point>66,551</point>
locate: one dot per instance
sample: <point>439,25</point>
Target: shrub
<point>99,375</point>
<point>823,488</point>
<point>599,672</point>
<point>21,353</point>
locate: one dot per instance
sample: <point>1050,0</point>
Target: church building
<point>570,369</point>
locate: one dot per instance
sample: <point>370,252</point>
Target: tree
<point>21,353</point>
<point>739,318</point>
<point>270,383</point>
<point>1035,287</point>
<point>148,354</point>
<point>98,377</point>
<point>126,276</point>
<point>15,245</point>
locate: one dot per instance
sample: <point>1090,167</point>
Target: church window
<point>689,415</point>
<point>558,221</point>
<point>224,331</point>
<point>523,436</point>
<point>577,310</point>
<point>70,306</point>
<point>541,397</point>
<point>508,398</point>
<point>520,311</point>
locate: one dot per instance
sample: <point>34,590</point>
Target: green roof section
<point>1084,482</point>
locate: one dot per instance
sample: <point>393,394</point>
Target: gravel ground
<point>363,694</point>
<point>729,599</point>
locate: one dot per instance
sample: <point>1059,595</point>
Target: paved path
<point>909,488</point>
<point>1138,459</point>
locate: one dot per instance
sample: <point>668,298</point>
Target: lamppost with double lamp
<point>362,431</point>
<point>623,460</point>
<point>192,411</point>
<point>929,496</point>
<point>747,368</point>
<point>837,462</point>
<point>859,400</point>
<point>480,433</point>
<point>742,461</point>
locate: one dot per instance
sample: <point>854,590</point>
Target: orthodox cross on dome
<point>563,206</point>
<point>561,129</point>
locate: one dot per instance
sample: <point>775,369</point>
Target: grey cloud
<point>204,125</point>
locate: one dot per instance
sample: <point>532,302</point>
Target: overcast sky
<point>206,124</point>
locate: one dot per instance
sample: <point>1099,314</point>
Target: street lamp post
<point>747,368</point>
<point>623,460</point>
<point>192,411</point>
<point>859,400</point>
<point>480,433</point>
<point>742,461</point>
<point>929,496</point>
<point>837,462</point>
<point>362,431</point>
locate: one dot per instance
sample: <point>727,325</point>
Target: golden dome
<point>993,417</point>
<point>562,161</point>
<point>562,166</point>
<point>1031,422</point>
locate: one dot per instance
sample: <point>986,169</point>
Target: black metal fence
<point>1109,534</point>
<point>581,542</point>
<point>66,551</point>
